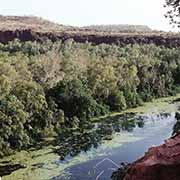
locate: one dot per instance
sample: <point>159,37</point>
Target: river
<point>95,150</point>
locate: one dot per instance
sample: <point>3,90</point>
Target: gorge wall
<point>121,39</point>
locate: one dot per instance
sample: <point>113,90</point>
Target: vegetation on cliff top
<point>41,25</point>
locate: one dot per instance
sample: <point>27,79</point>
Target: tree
<point>12,121</point>
<point>74,99</point>
<point>173,11</point>
<point>117,101</point>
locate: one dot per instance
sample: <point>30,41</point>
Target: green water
<point>120,137</point>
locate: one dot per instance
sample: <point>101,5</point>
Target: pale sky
<point>89,12</point>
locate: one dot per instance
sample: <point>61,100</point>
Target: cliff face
<point>38,29</point>
<point>121,39</point>
<point>159,163</point>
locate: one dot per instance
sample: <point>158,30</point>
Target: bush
<point>117,101</point>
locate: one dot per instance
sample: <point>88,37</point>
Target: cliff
<point>37,29</point>
<point>159,163</point>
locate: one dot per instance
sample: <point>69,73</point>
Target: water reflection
<point>74,141</point>
<point>111,139</point>
<point>91,135</point>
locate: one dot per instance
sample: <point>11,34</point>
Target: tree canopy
<point>51,88</point>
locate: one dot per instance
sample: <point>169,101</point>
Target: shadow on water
<point>94,135</point>
<point>97,149</point>
<point>91,135</point>
<point>8,169</point>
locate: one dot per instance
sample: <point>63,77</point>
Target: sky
<point>92,12</point>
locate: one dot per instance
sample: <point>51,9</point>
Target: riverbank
<point>151,106</point>
<point>44,163</point>
<point>162,162</point>
<point>159,162</point>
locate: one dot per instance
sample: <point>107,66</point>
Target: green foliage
<point>117,101</point>
<point>173,11</point>
<point>74,99</point>
<point>12,121</point>
<point>48,88</point>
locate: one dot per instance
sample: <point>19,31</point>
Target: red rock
<point>159,163</point>
<point>37,29</point>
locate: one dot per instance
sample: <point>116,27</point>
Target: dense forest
<point>46,88</point>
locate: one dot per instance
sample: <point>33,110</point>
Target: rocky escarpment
<point>38,29</point>
<point>159,163</point>
<point>121,39</point>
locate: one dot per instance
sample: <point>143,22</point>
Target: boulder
<point>159,163</point>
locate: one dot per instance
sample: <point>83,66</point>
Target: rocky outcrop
<point>82,37</point>
<point>159,163</point>
<point>37,29</point>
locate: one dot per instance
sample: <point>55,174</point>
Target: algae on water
<point>44,164</point>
